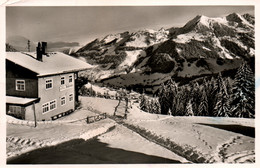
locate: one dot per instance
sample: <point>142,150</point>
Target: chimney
<point>39,52</point>
<point>44,48</point>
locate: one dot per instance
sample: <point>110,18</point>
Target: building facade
<point>41,87</point>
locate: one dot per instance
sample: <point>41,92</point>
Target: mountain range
<point>147,58</point>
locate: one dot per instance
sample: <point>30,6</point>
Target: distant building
<point>41,84</point>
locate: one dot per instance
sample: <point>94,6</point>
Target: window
<point>70,78</point>
<point>20,85</point>
<point>15,109</point>
<point>45,107</point>
<point>70,97</point>
<point>62,80</point>
<point>49,106</point>
<point>48,83</point>
<point>63,101</point>
<point>53,104</point>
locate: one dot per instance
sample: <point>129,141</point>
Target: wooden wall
<point>14,72</point>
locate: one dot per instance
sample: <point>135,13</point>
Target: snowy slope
<point>202,139</point>
<point>172,52</point>
<point>215,138</point>
<point>147,37</point>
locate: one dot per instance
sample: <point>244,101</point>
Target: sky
<point>84,24</point>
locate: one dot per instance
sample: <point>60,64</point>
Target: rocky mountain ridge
<point>147,57</point>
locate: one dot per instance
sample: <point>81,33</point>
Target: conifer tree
<point>189,111</point>
<point>195,97</point>
<point>166,95</point>
<point>175,102</point>
<point>243,96</point>
<point>203,107</point>
<point>222,108</point>
<point>143,103</point>
<point>183,97</point>
<point>155,106</point>
<point>211,95</point>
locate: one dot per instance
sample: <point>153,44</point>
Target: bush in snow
<point>88,92</point>
<point>150,105</point>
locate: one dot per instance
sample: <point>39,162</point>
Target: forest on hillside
<point>211,96</point>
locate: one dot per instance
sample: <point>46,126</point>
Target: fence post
<point>117,106</point>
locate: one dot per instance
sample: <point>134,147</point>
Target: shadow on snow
<point>245,130</point>
<point>85,152</point>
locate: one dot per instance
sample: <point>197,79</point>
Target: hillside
<point>203,46</point>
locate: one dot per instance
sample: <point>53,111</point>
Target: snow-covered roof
<point>19,100</point>
<point>53,63</point>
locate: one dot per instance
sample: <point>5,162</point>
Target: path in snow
<point>208,137</point>
<point>119,146</point>
<point>23,138</point>
<point>200,139</point>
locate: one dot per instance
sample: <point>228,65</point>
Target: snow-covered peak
<point>111,37</point>
<point>147,37</point>
<point>204,20</point>
<point>233,21</point>
<point>235,17</point>
<point>144,32</point>
<point>150,31</point>
<point>249,18</point>
<point>201,20</point>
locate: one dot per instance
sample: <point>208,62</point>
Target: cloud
<point>60,44</point>
<point>20,43</point>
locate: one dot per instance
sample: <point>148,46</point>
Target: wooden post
<point>126,104</point>
<point>35,122</point>
<point>126,107</point>
<point>117,106</point>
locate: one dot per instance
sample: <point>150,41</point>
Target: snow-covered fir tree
<point>155,106</point>
<point>166,95</point>
<point>203,107</point>
<point>189,111</point>
<point>175,100</point>
<point>196,96</point>
<point>222,107</point>
<point>143,103</point>
<point>243,97</point>
<point>211,92</point>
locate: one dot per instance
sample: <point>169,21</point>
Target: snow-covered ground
<point>23,138</point>
<point>228,140</point>
<point>185,38</point>
<point>131,57</point>
<point>123,138</point>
